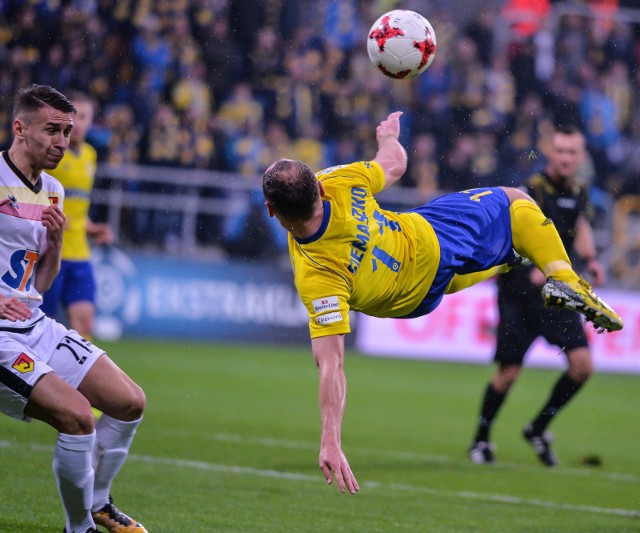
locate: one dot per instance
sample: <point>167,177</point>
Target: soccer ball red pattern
<point>401,43</point>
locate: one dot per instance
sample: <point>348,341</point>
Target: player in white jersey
<point>47,371</point>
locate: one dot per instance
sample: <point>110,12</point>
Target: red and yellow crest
<point>23,363</point>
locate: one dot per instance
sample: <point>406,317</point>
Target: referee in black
<point>523,317</point>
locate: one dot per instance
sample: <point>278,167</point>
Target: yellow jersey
<point>76,172</point>
<point>363,257</point>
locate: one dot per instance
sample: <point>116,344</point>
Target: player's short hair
<point>567,129</point>
<point>33,98</point>
<point>570,129</point>
<point>291,188</point>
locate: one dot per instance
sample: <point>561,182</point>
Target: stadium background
<point>195,98</point>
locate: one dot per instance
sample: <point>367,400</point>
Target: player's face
<point>566,154</point>
<point>46,136</point>
<point>81,121</point>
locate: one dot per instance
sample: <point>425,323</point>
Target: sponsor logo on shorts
<point>328,303</point>
<point>323,320</point>
<point>23,363</point>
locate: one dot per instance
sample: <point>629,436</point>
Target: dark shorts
<point>75,283</point>
<point>523,320</point>
<point>474,233</point>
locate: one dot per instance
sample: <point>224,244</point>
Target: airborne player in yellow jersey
<point>348,253</point>
<point>75,285</point>
<point>378,248</point>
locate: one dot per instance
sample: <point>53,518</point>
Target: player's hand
<point>597,272</point>
<point>536,277</point>
<point>14,309</point>
<point>102,234</point>
<point>53,219</point>
<point>389,127</point>
<point>333,463</point>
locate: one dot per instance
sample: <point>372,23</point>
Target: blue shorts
<point>75,283</point>
<point>474,233</point>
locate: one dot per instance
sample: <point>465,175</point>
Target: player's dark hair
<point>567,129</point>
<point>291,188</point>
<point>33,98</point>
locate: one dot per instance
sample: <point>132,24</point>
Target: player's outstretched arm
<point>391,155</point>
<point>329,355</point>
<point>586,248</point>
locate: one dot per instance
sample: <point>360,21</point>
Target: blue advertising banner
<point>170,297</point>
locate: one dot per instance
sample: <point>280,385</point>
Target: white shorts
<point>27,354</point>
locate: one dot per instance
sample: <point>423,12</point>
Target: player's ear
<point>18,127</point>
<point>272,213</point>
<point>321,188</point>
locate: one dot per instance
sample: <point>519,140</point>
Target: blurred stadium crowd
<point>234,84</point>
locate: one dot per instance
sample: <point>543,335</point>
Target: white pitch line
<point>277,474</point>
<point>295,476</point>
<point>439,459</point>
<point>269,442</point>
<point>226,469</point>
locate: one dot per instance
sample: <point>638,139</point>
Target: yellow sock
<point>462,281</point>
<point>536,237</point>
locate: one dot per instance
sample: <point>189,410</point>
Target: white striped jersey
<point>22,235</point>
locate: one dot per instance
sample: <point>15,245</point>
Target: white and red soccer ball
<point>401,43</point>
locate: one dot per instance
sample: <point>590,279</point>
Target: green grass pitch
<point>230,443</point>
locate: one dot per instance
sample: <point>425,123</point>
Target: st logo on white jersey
<point>328,303</point>
<point>22,265</point>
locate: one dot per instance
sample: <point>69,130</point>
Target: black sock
<point>491,404</point>
<point>562,392</point>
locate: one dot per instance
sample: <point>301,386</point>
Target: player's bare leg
<point>81,318</point>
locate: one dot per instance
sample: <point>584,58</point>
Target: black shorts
<point>524,318</point>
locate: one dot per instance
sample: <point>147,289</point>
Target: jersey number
<point>388,261</point>
<point>476,197</point>
<point>74,346</point>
